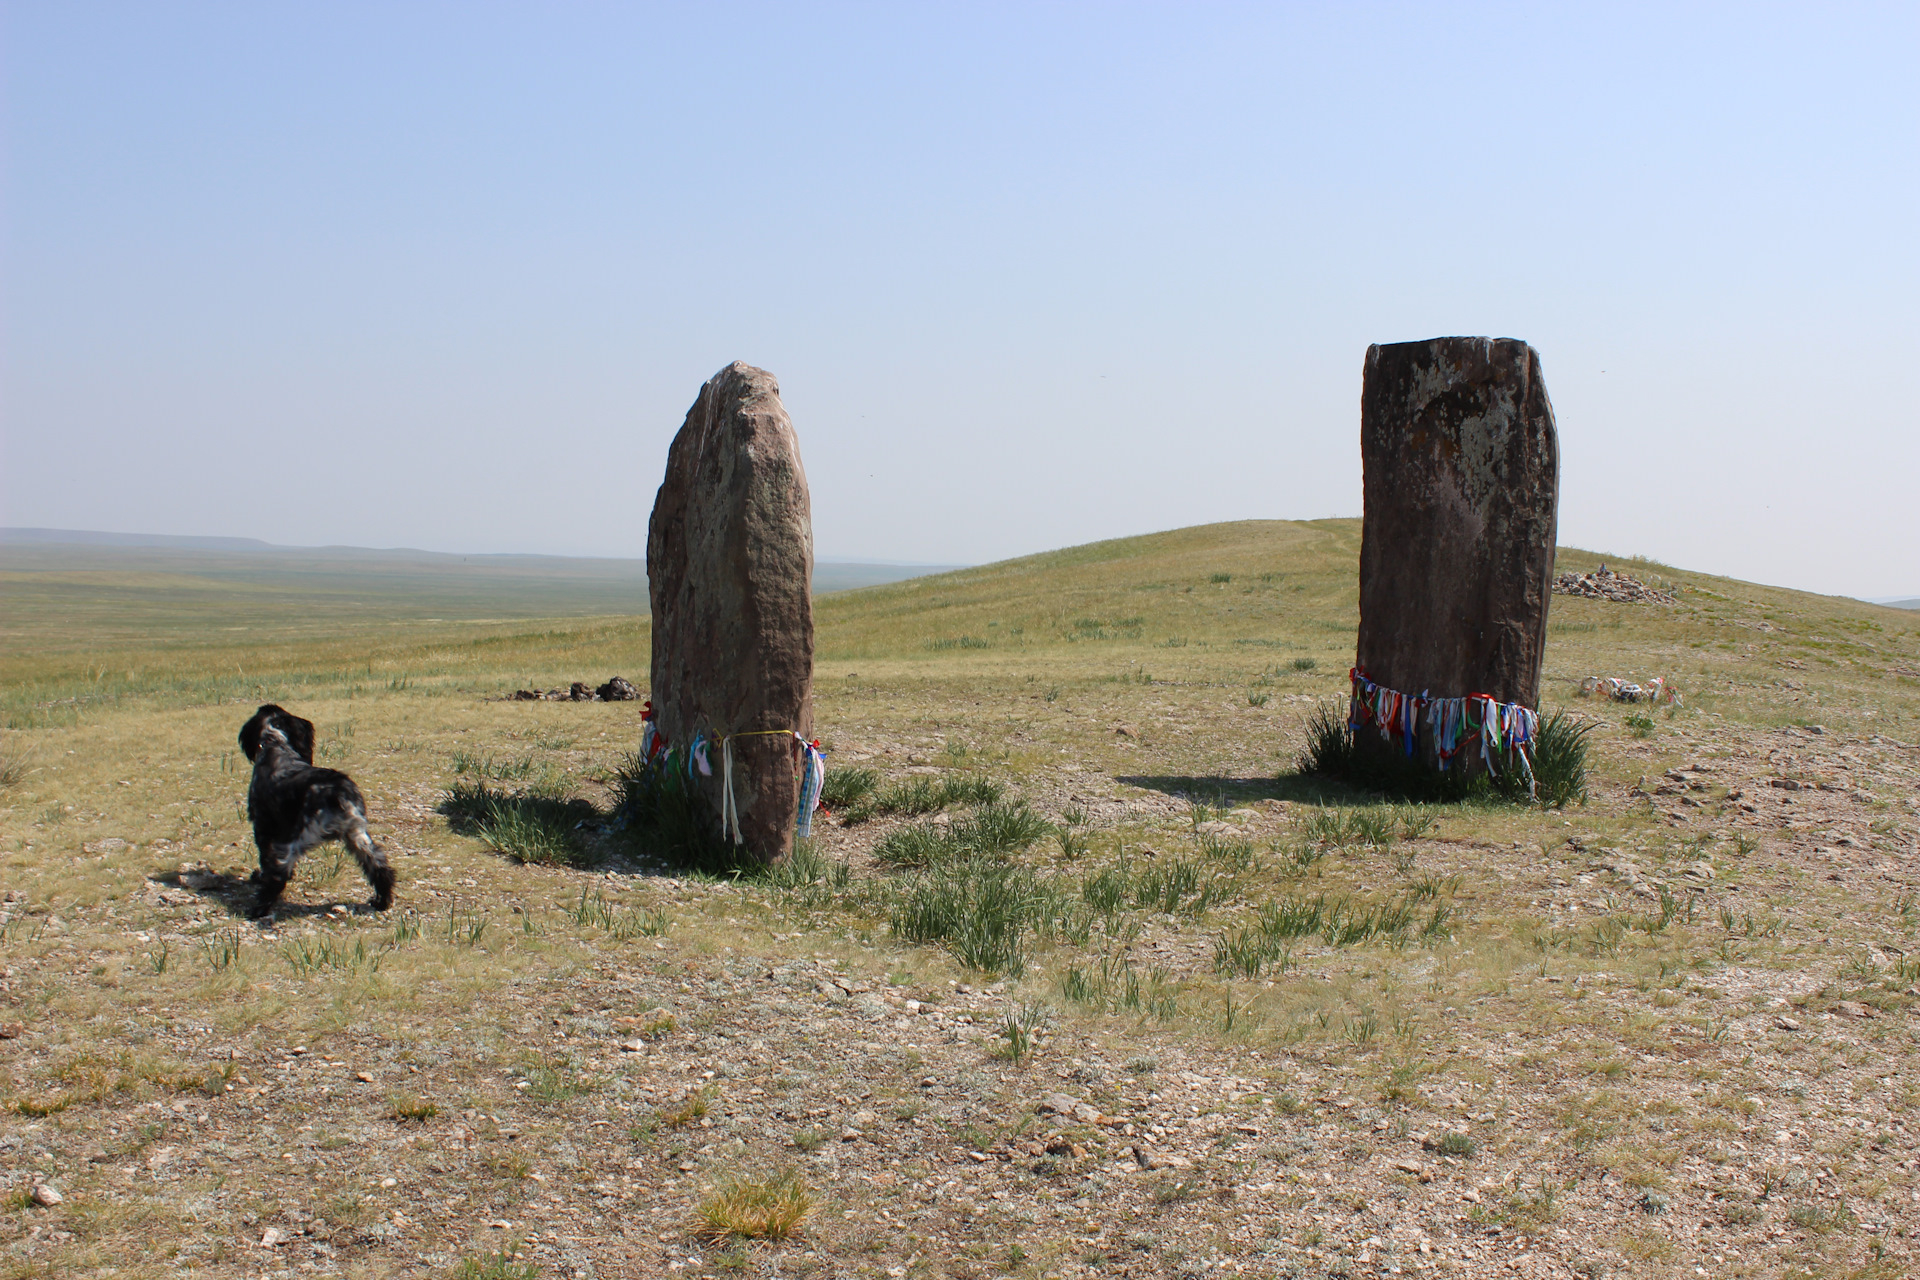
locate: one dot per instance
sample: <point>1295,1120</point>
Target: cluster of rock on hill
<point>618,689</point>
<point>1605,584</point>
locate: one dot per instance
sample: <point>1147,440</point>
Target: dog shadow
<point>236,895</point>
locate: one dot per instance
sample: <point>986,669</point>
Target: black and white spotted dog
<point>295,806</point>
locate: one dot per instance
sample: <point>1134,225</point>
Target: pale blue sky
<point>448,275</point>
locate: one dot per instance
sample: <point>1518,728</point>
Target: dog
<point>294,806</point>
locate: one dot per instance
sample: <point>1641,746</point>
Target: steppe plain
<point>1668,1032</point>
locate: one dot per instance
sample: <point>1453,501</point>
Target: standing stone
<point>1462,481</point>
<point>730,574</point>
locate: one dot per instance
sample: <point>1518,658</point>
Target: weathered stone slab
<point>1462,480</point>
<point>730,571</point>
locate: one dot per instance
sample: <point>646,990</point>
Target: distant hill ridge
<point>95,538</point>
<point>829,575</point>
<point>89,549</point>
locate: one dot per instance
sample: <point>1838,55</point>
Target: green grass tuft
<point>535,826</point>
<point>845,788</point>
<point>1560,760</point>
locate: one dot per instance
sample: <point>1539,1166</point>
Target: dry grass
<point>600,1041</point>
<point>755,1208</point>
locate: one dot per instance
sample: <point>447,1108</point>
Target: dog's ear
<point>250,731</point>
<point>299,734</point>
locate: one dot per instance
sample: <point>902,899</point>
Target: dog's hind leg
<point>373,863</point>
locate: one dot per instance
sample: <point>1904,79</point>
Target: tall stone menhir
<point>730,573</point>
<point>1462,479</point>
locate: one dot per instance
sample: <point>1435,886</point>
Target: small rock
<point>12,1030</point>
<point>47,1197</point>
<point>618,689</point>
<point>1059,1104</point>
<point>1415,1168</point>
<point>1786,1024</point>
<point>1125,731</point>
<point>272,1237</point>
<point>1854,1009</point>
<point>1157,1160</point>
<point>633,1046</point>
<point>364,1077</point>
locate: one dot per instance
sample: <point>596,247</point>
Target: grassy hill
<point>1228,602</point>
<point>1222,603</point>
<point>1166,1006</point>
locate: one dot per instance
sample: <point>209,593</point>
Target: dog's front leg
<point>276,868</point>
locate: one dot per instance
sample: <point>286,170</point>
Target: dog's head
<point>297,732</point>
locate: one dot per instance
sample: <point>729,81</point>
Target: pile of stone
<point>1654,690</point>
<point>1605,584</point>
<point>618,689</point>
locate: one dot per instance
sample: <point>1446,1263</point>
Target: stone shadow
<point>1295,788</point>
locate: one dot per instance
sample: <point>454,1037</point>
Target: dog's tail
<point>372,860</point>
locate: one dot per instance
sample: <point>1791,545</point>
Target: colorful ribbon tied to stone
<point>813,778</point>
<point>815,772</point>
<point>1502,728</point>
<point>652,742</point>
<point>655,753</point>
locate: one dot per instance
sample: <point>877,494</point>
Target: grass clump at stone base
<point>1559,765</point>
<point>755,1208</point>
<point>657,813</point>
<point>1560,760</point>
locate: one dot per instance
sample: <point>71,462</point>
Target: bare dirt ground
<point>1554,1092</point>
